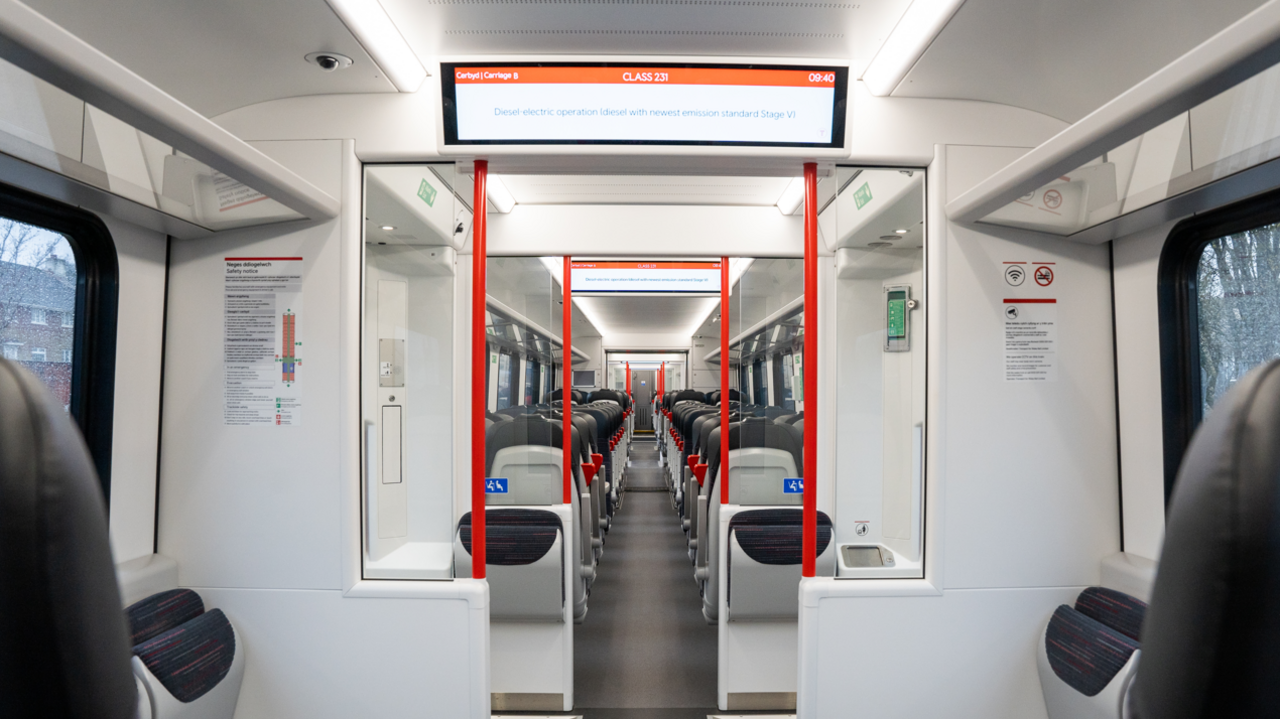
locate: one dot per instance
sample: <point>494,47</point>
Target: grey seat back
<point>64,640</point>
<point>1211,638</point>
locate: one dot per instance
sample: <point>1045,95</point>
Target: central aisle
<point>644,643</point>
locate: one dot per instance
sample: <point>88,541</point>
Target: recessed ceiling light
<point>901,232</point>
<point>388,228</point>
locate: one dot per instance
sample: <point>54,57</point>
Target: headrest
<point>66,646</point>
<point>1211,639</point>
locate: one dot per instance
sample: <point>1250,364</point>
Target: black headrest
<point>530,430</point>
<point>1211,639</point>
<point>65,648</point>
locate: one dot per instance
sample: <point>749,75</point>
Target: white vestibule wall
<point>1022,488</point>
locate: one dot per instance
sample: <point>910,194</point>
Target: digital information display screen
<point>652,104</point>
<point>647,277</point>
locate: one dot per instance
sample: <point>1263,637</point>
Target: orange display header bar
<point>646,265</point>
<point>643,76</point>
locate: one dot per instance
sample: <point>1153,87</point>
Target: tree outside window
<point>1238,300</point>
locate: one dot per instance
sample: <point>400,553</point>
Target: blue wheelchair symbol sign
<point>495,485</point>
<point>793,485</point>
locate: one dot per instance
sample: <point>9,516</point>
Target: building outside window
<point>38,275</point>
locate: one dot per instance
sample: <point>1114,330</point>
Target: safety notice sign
<point>1030,340</point>
<point>261,363</point>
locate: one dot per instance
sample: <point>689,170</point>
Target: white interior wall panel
<point>1137,261</point>
<point>141,254</point>
<point>253,506</point>
<point>264,521</point>
<point>967,654</point>
<point>1022,491</point>
<point>1032,484</point>
<point>311,655</point>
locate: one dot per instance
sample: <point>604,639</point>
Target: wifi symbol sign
<point>1015,275</point>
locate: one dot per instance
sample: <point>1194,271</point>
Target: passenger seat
<point>187,660</point>
<point>1089,653</point>
<point>1211,638</point>
<point>65,647</point>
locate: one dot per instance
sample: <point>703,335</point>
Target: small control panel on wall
<point>898,305</point>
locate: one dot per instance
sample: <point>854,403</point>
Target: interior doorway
<point>642,383</point>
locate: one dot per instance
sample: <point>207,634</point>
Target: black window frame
<point>93,367</point>
<point>1177,278</point>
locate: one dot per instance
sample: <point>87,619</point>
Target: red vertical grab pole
<point>722,474</point>
<point>566,399</point>
<point>479,356</point>
<point>628,379</point>
<point>809,547</point>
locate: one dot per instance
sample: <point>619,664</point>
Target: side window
<point>38,277</point>
<point>58,294</point>
<point>1219,312</point>
<point>1237,308</point>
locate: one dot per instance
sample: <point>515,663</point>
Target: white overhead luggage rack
<point>1238,53</point>
<point>39,46</point>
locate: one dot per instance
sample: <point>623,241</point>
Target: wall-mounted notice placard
<point>261,366</point>
<point>661,104</point>
<point>659,277</point>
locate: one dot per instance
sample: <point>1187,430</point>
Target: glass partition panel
<point>408,380</point>
<point>878,224</point>
<point>1235,130</point>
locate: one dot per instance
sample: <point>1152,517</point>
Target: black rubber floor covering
<point>644,643</point>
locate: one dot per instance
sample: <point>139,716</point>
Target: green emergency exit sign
<point>427,193</point>
<point>862,195</point>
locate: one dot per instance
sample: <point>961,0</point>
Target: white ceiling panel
<point>748,28</point>
<point>1064,59</point>
<point>218,56</point>
<point>643,190</point>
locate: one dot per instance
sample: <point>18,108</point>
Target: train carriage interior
<point>640,360</point>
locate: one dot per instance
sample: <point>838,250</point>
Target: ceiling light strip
<point>904,47</point>
<point>373,28</point>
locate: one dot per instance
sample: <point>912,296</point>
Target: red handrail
<point>809,546</point>
<point>479,358</point>
<point>566,399</point>
<point>723,472</point>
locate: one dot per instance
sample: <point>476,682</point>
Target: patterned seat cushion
<point>1117,610</point>
<point>191,659</point>
<point>161,612</point>
<point>1083,652</point>
<point>774,536</point>
<point>513,537</point>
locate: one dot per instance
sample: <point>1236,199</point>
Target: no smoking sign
<point>1044,276</point>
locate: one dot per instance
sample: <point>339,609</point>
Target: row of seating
<point>540,552</point>
<point>761,522</point>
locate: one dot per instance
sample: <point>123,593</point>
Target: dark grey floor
<point>644,644</point>
<point>644,472</point>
